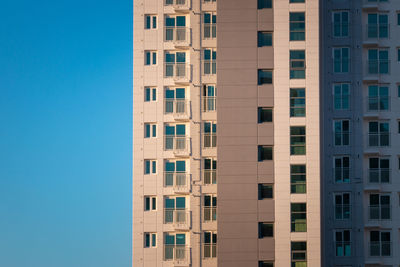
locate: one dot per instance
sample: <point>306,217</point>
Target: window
<point>341,96</point>
<point>342,206</point>
<point>209,98</point>
<point>175,137</point>
<point>265,153</point>
<point>398,126</point>
<point>150,130</point>
<point>265,191</point>
<point>264,115</point>
<point>341,58</point>
<point>175,246</point>
<point>210,244</point>
<point>378,61</point>
<point>175,173</point>
<point>175,28</point>
<point>379,170</point>
<point>398,54</point>
<point>342,169</point>
<point>210,134</point>
<point>378,97</point>
<point>398,18</point>
<point>378,26</point>
<point>174,101</point>
<point>150,166</point>
<point>380,243</point>
<point>150,203</point>
<point>298,215</point>
<point>298,179</point>
<point>379,207</point>
<point>297,102</point>
<point>297,26</point>
<point>210,25</point>
<point>264,77</point>
<point>210,171</point>
<point>175,210</point>
<point>342,243</point>
<point>150,94</point>
<point>296,1</point>
<point>299,254</point>
<point>209,61</point>
<point>150,240</point>
<point>210,208</point>
<point>150,58</point>
<point>340,23</point>
<point>209,1</point>
<point>265,264</point>
<point>297,140</point>
<point>265,229</point>
<point>398,90</point>
<point>261,4</point>
<point>150,22</point>
<point>264,39</point>
<point>175,64</point>
<point>342,132</point>
<point>378,133</point>
<point>297,64</point>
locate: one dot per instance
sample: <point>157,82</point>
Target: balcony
<point>379,176</point>
<point>342,211</point>
<point>376,68</point>
<point>376,32</point>
<point>209,177</point>
<point>179,181</point>
<point>210,140</point>
<point>179,218</point>
<point>178,5</point>
<point>209,67</point>
<point>210,251</point>
<point>380,249</point>
<point>179,145</point>
<point>375,105</point>
<point>343,248</point>
<point>342,174</point>
<point>210,214</point>
<point>180,72</point>
<point>178,254</point>
<point>178,108</point>
<point>378,139</point>
<point>379,212</point>
<point>210,31</point>
<point>180,36</point>
<point>373,4</point>
<point>209,103</point>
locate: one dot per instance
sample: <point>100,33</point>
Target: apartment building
<point>307,111</point>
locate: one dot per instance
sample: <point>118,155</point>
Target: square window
<point>297,102</point>
<point>261,4</point>
<point>264,39</point>
<point>265,229</point>
<point>297,26</point>
<point>264,77</point>
<point>265,153</point>
<point>265,191</point>
<point>264,115</point>
<point>297,64</point>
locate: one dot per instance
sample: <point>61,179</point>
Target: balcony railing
<point>178,144</point>
<point>380,249</point>
<point>179,254</point>
<point>377,31</point>
<point>378,103</point>
<point>177,107</point>
<point>342,174</point>
<point>378,66</point>
<point>178,4</point>
<point>342,138</point>
<point>179,35</point>
<point>381,175</point>
<point>343,248</point>
<point>342,212</point>
<point>210,214</point>
<point>210,140</point>
<point>209,103</point>
<point>179,218</point>
<point>379,212</point>
<point>210,250</point>
<point>209,176</point>
<point>209,67</point>
<point>179,181</point>
<point>178,71</point>
<point>210,31</point>
<point>378,139</point>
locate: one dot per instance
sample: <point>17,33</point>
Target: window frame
<point>150,22</point>
<point>339,99</point>
<point>295,71</point>
<point>150,203</point>
<point>342,25</point>
<point>150,58</point>
<point>293,99</point>
<point>342,242</point>
<point>342,61</point>
<point>298,218</point>
<point>297,145</point>
<point>294,31</point>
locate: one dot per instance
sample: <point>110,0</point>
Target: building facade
<point>304,167</point>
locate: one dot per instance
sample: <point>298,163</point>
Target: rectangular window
<point>175,64</point>
<point>297,102</point>
<point>378,61</point>
<point>299,253</point>
<point>150,94</point>
<point>150,130</point>
<point>175,29</point>
<point>209,98</point>
<point>175,101</point>
<point>150,58</point>
<point>265,153</point>
<point>265,229</point>
<point>398,54</point>
<point>297,26</point>
<point>342,169</point>
<point>210,25</point>
<point>264,77</point>
<point>264,115</point>
<point>264,39</point>
<point>296,1</point>
<point>150,203</point>
<point>377,26</point>
<point>378,133</point>
<point>341,59</point>
<point>380,244</point>
<point>298,179</point>
<point>297,64</point>
<point>209,61</point>
<point>298,215</point>
<point>340,23</point>
<point>398,18</point>
<point>398,90</point>
<point>342,243</point>
<point>342,206</point>
<point>210,171</point>
<point>175,247</point>
<point>175,210</point>
<point>210,134</point>
<point>261,4</point>
<point>265,191</point>
<point>150,22</point>
<point>378,98</point>
<point>341,96</point>
<point>210,244</point>
<point>175,174</point>
<point>175,137</point>
<point>379,207</point>
<point>297,140</point>
<point>150,240</point>
<point>210,208</point>
<point>342,132</point>
<point>265,264</point>
<point>379,170</point>
<point>150,166</point>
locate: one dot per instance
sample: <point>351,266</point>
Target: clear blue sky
<point>65,133</point>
